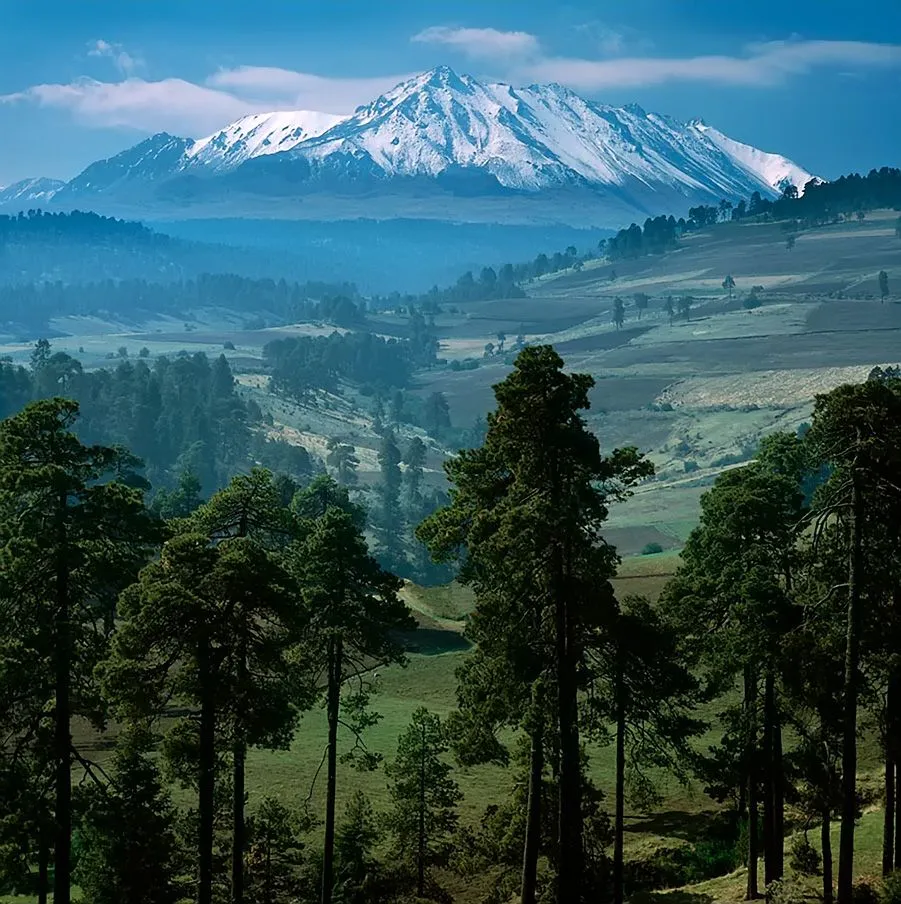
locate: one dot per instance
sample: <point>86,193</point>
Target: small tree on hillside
<point>425,796</point>
<point>686,302</point>
<point>619,312</point>
<point>883,285</point>
<point>729,284</point>
<point>342,459</point>
<point>670,307</point>
<point>641,302</point>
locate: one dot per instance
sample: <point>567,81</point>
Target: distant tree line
<point>32,304</point>
<point>179,414</point>
<point>301,364</point>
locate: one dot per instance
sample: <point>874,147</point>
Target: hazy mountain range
<point>439,145</point>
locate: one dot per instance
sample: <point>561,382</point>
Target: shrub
<point>864,891</point>
<point>144,352</point>
<point>691,466</point>
<point>228,345</point>
<point>651,549</point>
<point>785,891</point>
<point>890,892</point>
<point>805,858</point>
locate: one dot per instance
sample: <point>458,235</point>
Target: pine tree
<point>274,854</point>
<point>342,459</point>
<point>855,432</point>
<point>527,508</point>
<point>358,874</point>
<point>355,615</point>
<point>128,849</point>
<point>72,537</point>
<point>414,459</point>
<point>642,687</point>
<point>425,797</point>
<point>250,507</point>
<point>184,634</point>
<point>732,598</point>
<point>619,312</point>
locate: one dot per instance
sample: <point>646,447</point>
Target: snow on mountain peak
<point>258,135</point>
<point>774,169</point>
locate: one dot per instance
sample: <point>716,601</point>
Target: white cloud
<point>303,89</point>
<point>481,43</point>
<point>125,62</point>
<point>762,65</point>
<point>170,105</point>
<point>193,110</point>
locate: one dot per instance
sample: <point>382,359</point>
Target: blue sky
<point>816,80</point>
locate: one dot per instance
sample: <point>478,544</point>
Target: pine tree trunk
<point>897,816</point>
<point>239,755</point>
<point>769,839</point>
<point>62,851</point>
<point>333,704</point>
<point>569,870</point>
<point>618,827</point>
<point>849,716</point>
<point>778,798</point>
<point>43,867</point>
<point>752,891</point>
<point>207,783</point>
<point>826,844</point>
<point>420,851</point>
<point>533,813</point>
<point>888,824</point>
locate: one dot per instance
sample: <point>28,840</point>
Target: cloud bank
<point>192,109</point>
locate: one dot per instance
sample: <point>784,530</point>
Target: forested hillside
<point>203,637</point>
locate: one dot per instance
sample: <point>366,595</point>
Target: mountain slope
<point>29,192</point>
<point>450,141</point>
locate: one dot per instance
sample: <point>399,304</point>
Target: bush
<point>864,891</point>
<point>651,549</point>
<point>890,892</point>
<point>805,858</point>
<point>691,466</point>
<point>785,891</point>
<point>228,345</point>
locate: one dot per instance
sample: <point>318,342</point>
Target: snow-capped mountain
<point>257,136</point>
<point>448,140</point>
<point>29,192</point>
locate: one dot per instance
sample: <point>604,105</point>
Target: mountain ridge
<point>442,137</point>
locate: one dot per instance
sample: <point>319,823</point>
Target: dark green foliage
<point>658,235</point>
<point>302,364</point>
<point>805,859</point>
<point>176,414</point>
<point>73,532</point>
<point>651,549</point>
<point>127,845</point>
<point>425,797</point>
<point>359,877</point>
<point>274,859</point>
<point>343,461</point>
<point>619,312</point>
<point>33,304</point>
